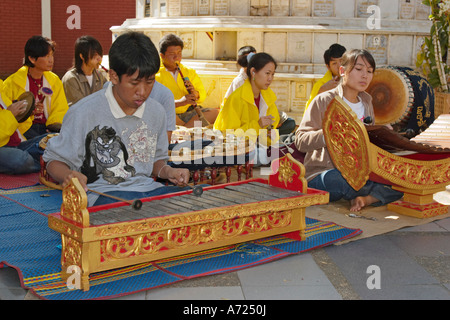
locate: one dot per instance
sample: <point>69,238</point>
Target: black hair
<point>242,55</point>
<point>334,51</point>
<point>170,40</point>
<point>36,47</point>
<point>134,51</point>
<point>87,47</point>
<point>259,61</point>
<point>350,57</point>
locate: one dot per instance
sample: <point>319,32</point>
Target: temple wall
<point>295,32</point>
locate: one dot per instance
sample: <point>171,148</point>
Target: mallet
<point>135,204</point>
<point>196,190</point>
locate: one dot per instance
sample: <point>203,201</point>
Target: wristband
<point>166,165</point>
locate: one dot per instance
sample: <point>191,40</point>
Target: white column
<point>46,16</point>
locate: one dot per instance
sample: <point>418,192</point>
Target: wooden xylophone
<point>437,134</point>
<point>418,174</point>
<point>112,236</point>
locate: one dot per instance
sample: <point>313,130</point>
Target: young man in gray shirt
<point>115,140</point>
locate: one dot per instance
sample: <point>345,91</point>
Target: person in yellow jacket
<point>251,107</point>
<point>17,154</point>
<point>36,76</point>
<point>183,81</point>
<point>332,58</point>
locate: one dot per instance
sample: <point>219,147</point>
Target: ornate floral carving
<point>346,141</point>
<point>413,174</point>
<point>71,251</point>
<point>143,244</point>
<point>285,171</point>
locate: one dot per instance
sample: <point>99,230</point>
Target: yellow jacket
<point>55,106</point>
<point>316,87</point>
<point>240,112</point>
<point>9,124</point>
<point>177,87</point>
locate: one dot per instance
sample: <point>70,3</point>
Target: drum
<point>402,98</point>
<point>29,98</point>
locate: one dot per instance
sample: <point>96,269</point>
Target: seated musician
<point>251,107</point>
<point>332,58</point>
<point>286,124</point>
<point>116,139</point>
<point>17,154</point>
<point>356,74</point>
<point>36,76</point>
<point>84,78</point>
<point>188,92</point>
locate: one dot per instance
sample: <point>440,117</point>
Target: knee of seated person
<point>25,165</point>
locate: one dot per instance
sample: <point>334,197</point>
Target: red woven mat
<point>8,182</point>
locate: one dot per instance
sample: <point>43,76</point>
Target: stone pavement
<point>410,263</point>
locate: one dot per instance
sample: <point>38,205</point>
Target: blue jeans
<point>132,195</point>
<point>333,182</point>
<point>25,158</point>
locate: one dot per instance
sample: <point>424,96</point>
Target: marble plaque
<point>279,8</point>
<point>188,40</point>
<point>376,44</point>
<point>361,7</point>
<point>299,47</point>
<point>300,91</point>
<point>259,7</point>
<point>407,9</point>
<point>422,11</point>
<point>187,7</point>
<point>301,8</point>
<point>323,8</point>
<point>220,7</point>
<point>203,7</point>
<point>174,8</point>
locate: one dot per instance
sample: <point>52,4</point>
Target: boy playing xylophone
<point>114,140</point>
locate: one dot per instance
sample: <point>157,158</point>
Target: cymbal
<point>29,98</point>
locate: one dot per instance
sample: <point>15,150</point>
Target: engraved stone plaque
<point>220,7</point>
<point>422,11</point>
<point>279,8</point>
<point>299,95</point>
<point>188,40</point>
<point>376,44</point>
<point>323,8</point>
<point>407,9</point>
<point>299,47</point>
<point>301,8</point>
<point>203,7</point>
<point>187,7</point>
<point>174,8</point>
<point>361,7</point>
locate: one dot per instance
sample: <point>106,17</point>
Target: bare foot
<point>360,202</point>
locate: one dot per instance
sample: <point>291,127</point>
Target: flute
<point>205,122</point>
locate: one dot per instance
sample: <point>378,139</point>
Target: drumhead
<point>29,98</point>
<point>392,96</point>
